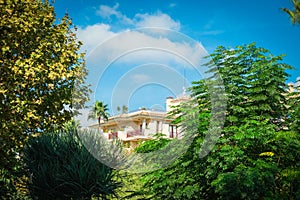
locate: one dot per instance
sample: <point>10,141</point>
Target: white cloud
<point>158,19</point>
<point>137,47</point>
<point>133,48</point>
<point>153,38</point>
<point>106,12</point>
<point>93,35</point>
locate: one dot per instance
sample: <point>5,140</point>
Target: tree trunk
<point>99,118</point>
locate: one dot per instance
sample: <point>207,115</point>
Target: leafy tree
<point>255,157</point>
<point>294,14</point>
<point>99,111</point>
<point>133,187</point>
<point>253,138</point>
<point>254,81</point>
<point>157,143</point>
<point>42,78</point>
<point>60,167</point>
<point>179,181</point>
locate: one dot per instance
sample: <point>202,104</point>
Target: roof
<point>136,116</point>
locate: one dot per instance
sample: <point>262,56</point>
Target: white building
<point>133,127</point>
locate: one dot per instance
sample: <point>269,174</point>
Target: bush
<point>60,167</point>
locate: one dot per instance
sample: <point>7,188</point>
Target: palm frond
<point>294,14</point>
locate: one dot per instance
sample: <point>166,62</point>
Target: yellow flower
<point>267,154</point>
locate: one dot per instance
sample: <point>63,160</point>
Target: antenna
<point>184,82</point>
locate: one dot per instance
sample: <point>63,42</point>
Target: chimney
<point>169,103</point>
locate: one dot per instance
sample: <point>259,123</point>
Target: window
<point>172,131</point>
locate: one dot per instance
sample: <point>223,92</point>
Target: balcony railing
<point>127,134</point>
<point>133,133</point>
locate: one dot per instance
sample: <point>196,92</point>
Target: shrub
<point>60,167</point>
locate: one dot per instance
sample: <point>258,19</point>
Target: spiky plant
<point>60,167</point>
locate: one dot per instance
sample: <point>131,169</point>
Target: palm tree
<point>118,109</point>
<point>124,109</point>
<point>295,14</point>
<point>99,111</point>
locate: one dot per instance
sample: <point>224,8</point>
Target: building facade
<point>141,125</point>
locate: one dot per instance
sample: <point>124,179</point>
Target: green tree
<point>42,77</point>
<point>181,180</point>
<point>254,81</point>
<point>99,111</point>
<point>124,109</point>
<point>294,14</point>
<point>157,143</point>
<point>60,167</point>
<point>254,138</point>
<point>255,157</point>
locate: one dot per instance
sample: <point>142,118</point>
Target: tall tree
<point>99,111</point>
<point>294,14</point>
<point>42,77</point>
<point>255,158</point>
<point>254,81</point>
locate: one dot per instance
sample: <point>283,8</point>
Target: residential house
<point>137,126</point>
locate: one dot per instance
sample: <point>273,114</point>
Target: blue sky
<point>121,74</point>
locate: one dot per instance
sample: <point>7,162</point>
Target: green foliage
<point>254,81</point>
<point>99,111</point>
<point>60,167</point>
<point>294,108</point>
<point>42,76</point>
<point>294,14</point>
<point>152,145</point>
<point>256,157</point>
<point>246,182</point>
<point>179,180</point>
<point>131,184</point>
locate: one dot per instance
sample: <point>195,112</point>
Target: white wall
<point>153,129</point>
